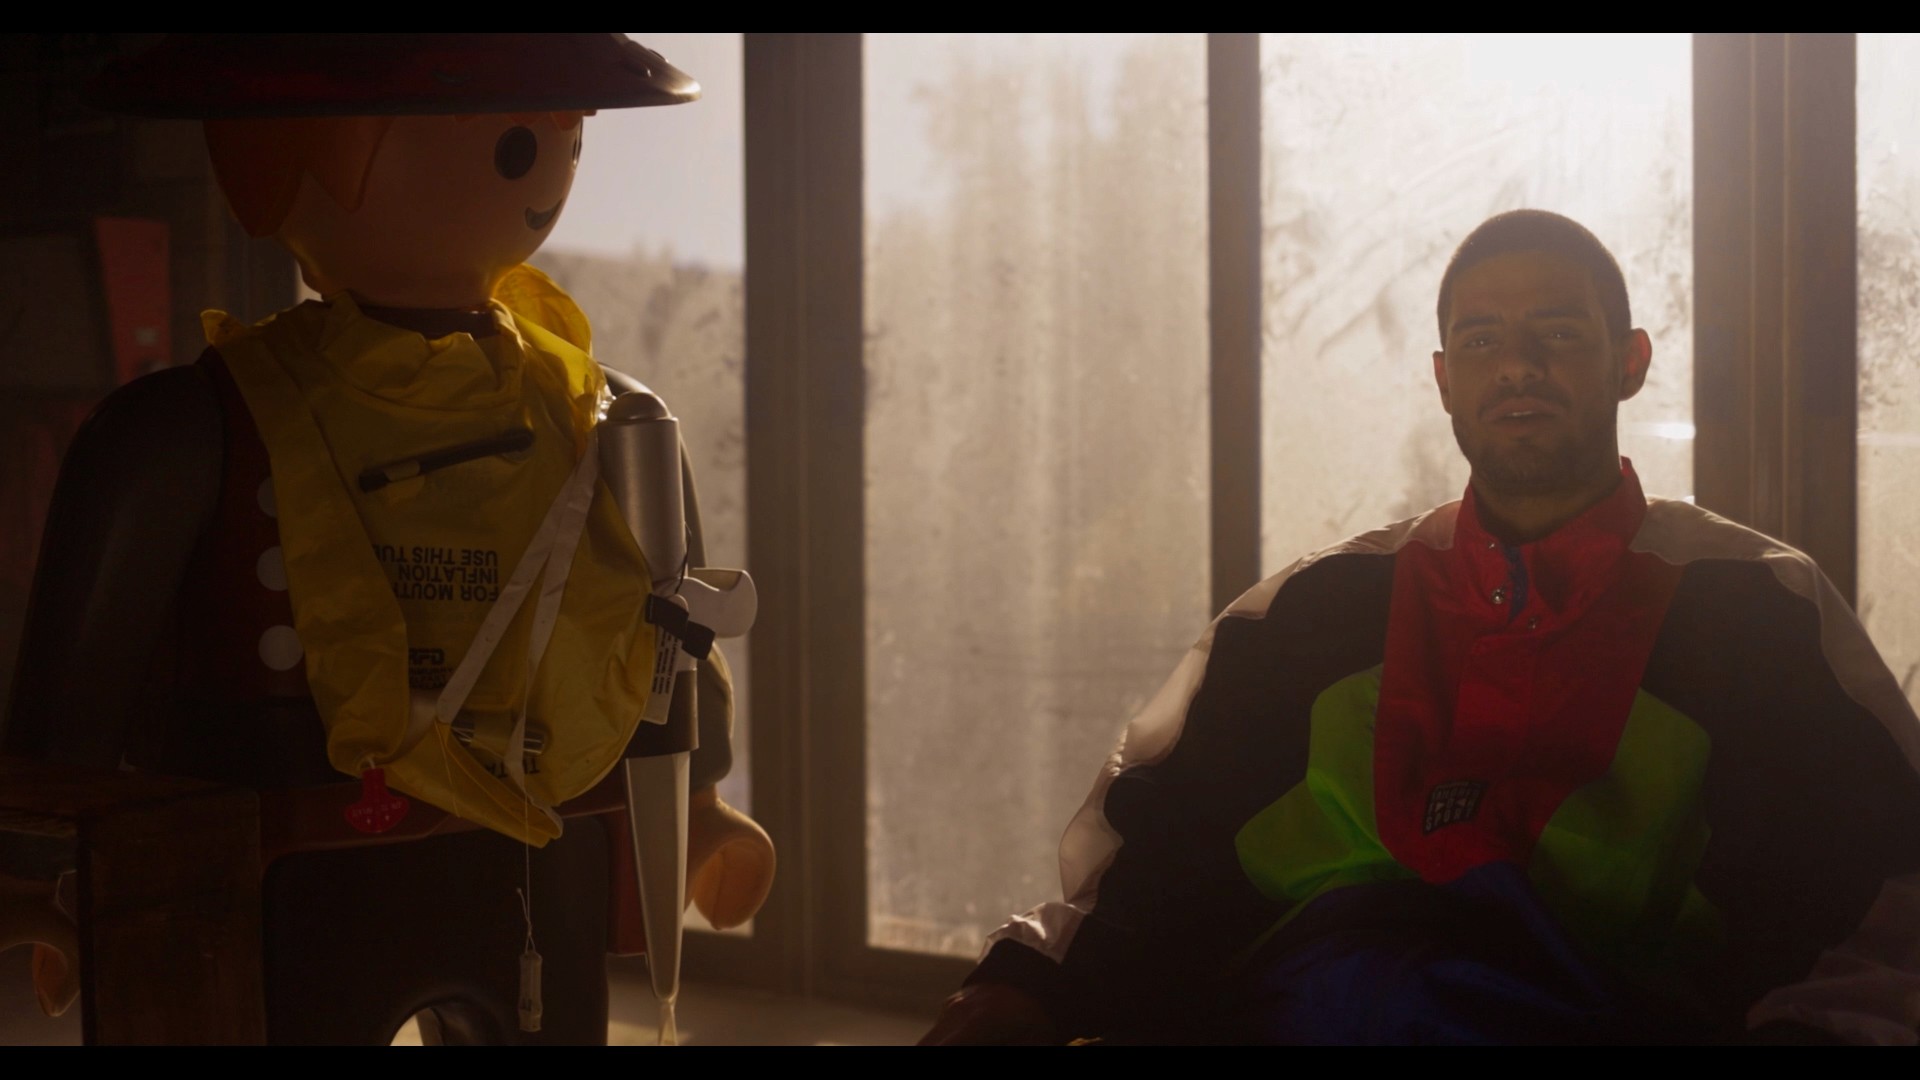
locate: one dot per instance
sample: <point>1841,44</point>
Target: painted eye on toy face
<point>514,154</point>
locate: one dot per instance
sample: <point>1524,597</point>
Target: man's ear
<point>1440,379</point>
<point>1635,357</point>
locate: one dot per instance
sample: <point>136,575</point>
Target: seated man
<point>1554,763</point>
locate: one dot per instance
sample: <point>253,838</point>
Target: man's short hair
<point>1539,230</point>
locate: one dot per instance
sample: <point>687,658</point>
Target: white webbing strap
<point>549,559</point>
<point>576,498</point>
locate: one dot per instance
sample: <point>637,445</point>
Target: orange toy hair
<point>259,162</point>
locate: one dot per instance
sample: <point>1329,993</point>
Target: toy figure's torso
<point>356,941</point>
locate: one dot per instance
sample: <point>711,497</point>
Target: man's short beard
<point>1536,470</point>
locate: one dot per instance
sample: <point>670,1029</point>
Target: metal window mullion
<point>1775,289</point>
<point>1820,309</point>
<point>1234,324</point>
<point>791,337</point>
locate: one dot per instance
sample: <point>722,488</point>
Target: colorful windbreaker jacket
<point>1671,725</point>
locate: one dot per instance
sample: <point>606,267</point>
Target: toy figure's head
<point>409,211</point>
<point>414,170</point>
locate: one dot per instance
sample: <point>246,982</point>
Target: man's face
<point>1531,376</point>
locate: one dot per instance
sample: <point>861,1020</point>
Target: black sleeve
<point>1813,804</point>
<point>137,489</point>
<point>1173,911</point>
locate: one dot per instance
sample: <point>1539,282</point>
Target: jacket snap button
<point>1500,595</point>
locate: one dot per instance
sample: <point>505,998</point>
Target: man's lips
<point>1520,410</point>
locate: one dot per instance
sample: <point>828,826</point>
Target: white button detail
<point>272,569</point>
<point>1500,595</point>
<point>280,648</point>
<point>265,498</point>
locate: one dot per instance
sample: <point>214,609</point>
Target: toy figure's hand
<point>993,1014</point>
<point>729,861</point>
<point>29,915</point>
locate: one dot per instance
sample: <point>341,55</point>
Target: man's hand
<point>993,1014</point>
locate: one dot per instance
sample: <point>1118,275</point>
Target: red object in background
<point>53,374</point>
<point>135,286</point>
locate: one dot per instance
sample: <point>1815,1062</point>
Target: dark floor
<point>708,1016</point>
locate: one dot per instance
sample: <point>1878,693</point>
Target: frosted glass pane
<point>1889,177</point>
<point>655,257</point>
<point>1381,152</point>
<point>1036,446</point>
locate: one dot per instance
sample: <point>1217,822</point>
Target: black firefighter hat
<point>221,76</point>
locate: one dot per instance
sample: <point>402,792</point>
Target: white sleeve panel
<point>1090,843</point>
<point>1680,533</point>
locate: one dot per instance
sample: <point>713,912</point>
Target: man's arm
<point>1860,772</point>
<point>993,1014</point>
<point>1157,907</point>
<point>1812,798</point>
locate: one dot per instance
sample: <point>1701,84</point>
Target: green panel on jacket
<point>1321,834</point>
<point>1615,862</point>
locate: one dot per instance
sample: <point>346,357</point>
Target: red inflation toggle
<point>378,809</point>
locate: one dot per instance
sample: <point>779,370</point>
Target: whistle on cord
<point>689,607</point>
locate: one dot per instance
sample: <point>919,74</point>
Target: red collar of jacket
<point>1565,570</point>
<point>1509,675</point>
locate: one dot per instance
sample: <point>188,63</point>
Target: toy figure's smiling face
<point>450,204</point>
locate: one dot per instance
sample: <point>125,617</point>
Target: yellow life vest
<point>389,586</point>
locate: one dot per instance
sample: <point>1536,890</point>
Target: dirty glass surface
<point>1381,152</point>
<point>655,256</point>
<point>1036,446</point>
<point>1889,208</point>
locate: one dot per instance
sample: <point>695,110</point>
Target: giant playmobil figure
<point>394,533</point>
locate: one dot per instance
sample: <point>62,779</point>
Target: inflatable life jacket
<point>446,540</point>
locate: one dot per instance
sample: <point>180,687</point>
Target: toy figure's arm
<point>730,860</point>
<point>713,760</point>
<point>136,491</point>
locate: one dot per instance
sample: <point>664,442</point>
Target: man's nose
<point>1524,360</point>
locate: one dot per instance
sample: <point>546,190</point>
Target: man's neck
<point>1522,519</point>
